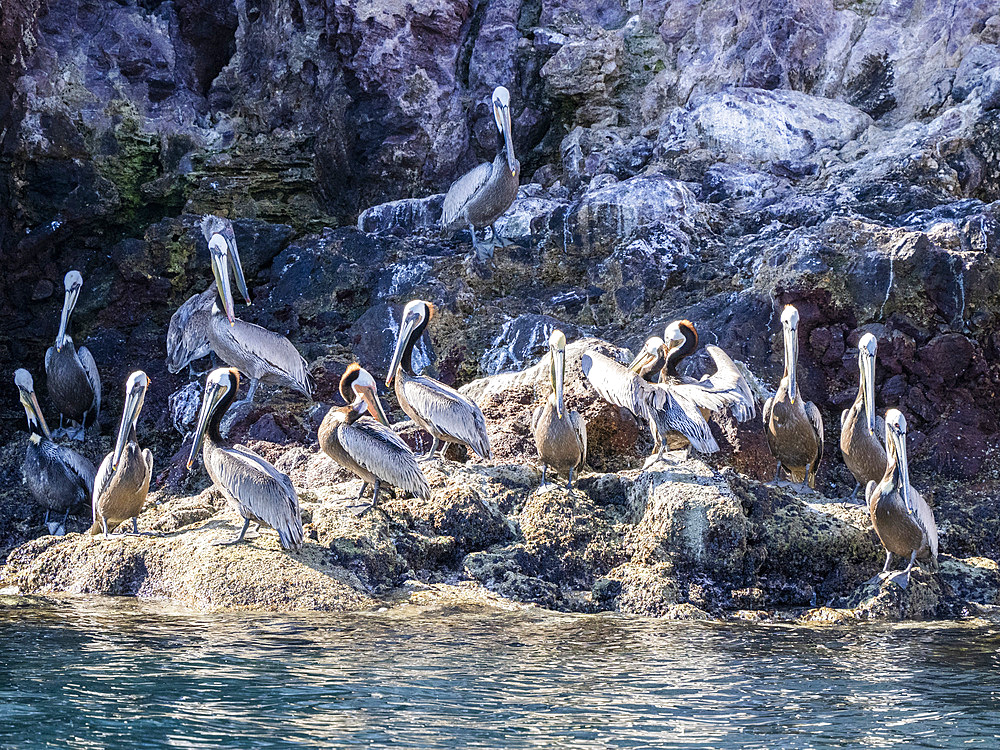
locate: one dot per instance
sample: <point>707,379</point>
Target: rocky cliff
<point>679,159</point>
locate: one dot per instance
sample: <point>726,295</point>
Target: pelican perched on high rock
<point>902,519</point>
<point>357,437</point>
<point>254,488</point>
<point>73,382</point>
<point>561,437</point>
<point>442,411</point>
<point>666,407</point>
<point>794,427</point>
<point>480,197</point>
<point>122,481</point>
<point>187,334</point>
<point>260,354</point>
<point>58,477</point>
<point>861,431</point>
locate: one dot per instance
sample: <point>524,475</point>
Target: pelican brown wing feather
<point>261,491</point>
<point>580,425</point>
<point>279,355</point>
<point>449,411</point>
<point>187,334</point>
<point>461,192</point>
<point>816,419</point>
<point>90,368</point>
<point>381,451</point>
<point>729,382</point>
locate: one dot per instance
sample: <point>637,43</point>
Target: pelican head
<point>895,441</point>
<point>649,353</point>
<point>790,331</point>
<point>135,394</point>
<point>73,283</point>
<point>501,113</point>
<point>222,384</point>
<point>212,226</point>
<point>26,389</point>
<point>867,347</point>
<point>557,366</point>
<point>359,389</point>
<point>416,315</point>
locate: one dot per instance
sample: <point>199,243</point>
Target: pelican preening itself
<point>260,354</point>
<point>58,477</point>
<point>187,334</point>
<point>902,519</point>
<point>561,437</point>
<point>254,488</point>
<point>861,431</point>
<point>481,196</point>
<point>365,444</point>
<point>794,427</point>
<point>122,481</point>
<point>441,411</point>
<point>73,382</point>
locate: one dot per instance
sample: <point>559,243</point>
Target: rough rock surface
<point>679,160</point>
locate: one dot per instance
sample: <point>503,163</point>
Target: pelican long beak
<point>791,336</point>
<point>508,138</point>
<point>130,415</point>
<point>868,390</point>
<point>69,302</point>
<point>371,399</point>
<point>30,402</point>
<point>213,394</point>
<point>406,329</point>
<point>558,378</point>
<point>640,359</point>
<point>902,469</point>
<point>241,282</point>
<point>220,268</point>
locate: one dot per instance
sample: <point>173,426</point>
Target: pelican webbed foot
<point>236,539</point>
<point>498,239</point>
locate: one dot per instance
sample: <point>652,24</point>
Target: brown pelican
<point>666,407</point>
<point>442,411</point>
<point>903,520</point>
<point>212,225</point>
<point>259,353</point>
<point>359,442</point>
<point>561,438</point>
<point>73,381</point>
<point>480,197</point>
<point>187,334</point>
<point>253,487</point>
<point>59,478</point>
<point>794,428</point>
<point>123,477</point>
<point>861,430</point>
<point>727,384</point>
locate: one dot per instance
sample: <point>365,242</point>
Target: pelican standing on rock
<point>442,411</point>
<point>262,355</point>
<point>561,437</point>
<point>480,197</point>
<point>366,444</point>
<point>123,478</point>
<point>58,477</point>
<point>794,427</point>
<point>73,382</point>
<point>254,488</point>
<point>902,519</point>
<point>861,430</point>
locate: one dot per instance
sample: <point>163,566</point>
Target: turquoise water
<point>117,673</point>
